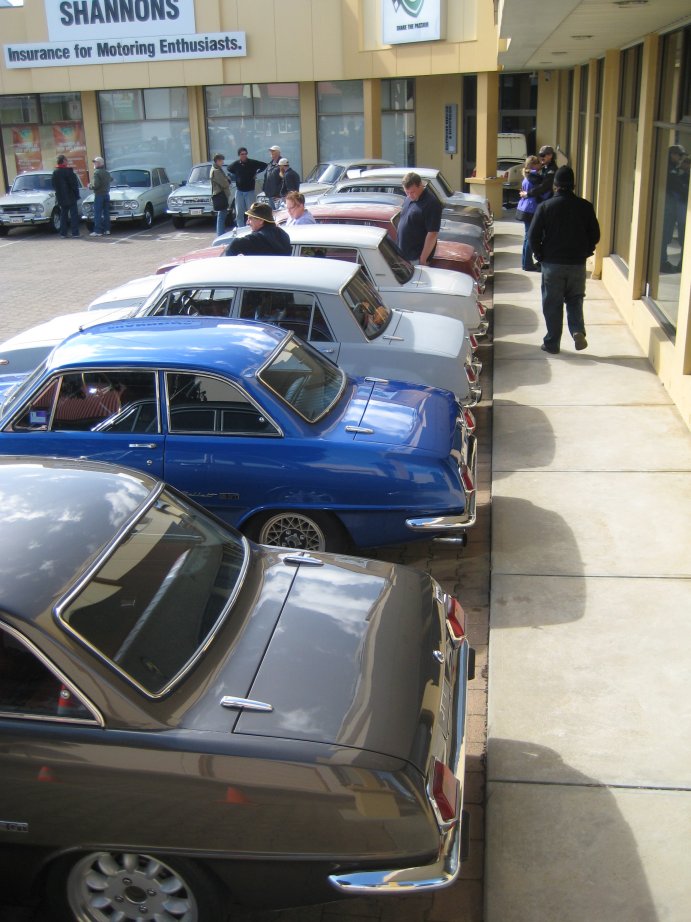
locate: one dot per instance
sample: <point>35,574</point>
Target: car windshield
<point>153,605</point>
<point>399,265</point>
<point>303,378</point>
<point>445,186</point>
<point>19,394</point>
<point>200,173</point>
<point>36,182</point>
<point>135,179</point>
<point>326,173</point>
<point>371,314</point>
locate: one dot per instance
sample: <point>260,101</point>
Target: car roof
<point>362,198</point>
<point>424,171</point>
<point>343,234</point>
<point>35,173</point>
<point>57,515</point>
<point>367,179</point>
<point>340,207</point>
<point>238,347</point>
<point>354,161</point>
<point>298,272</point>
<point>139,166</point>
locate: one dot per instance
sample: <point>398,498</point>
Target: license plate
<point>16,220</point>
<point>196,211</point>
<point>113,217</point>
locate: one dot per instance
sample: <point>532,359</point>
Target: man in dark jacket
<point>272,177</point>
<point>563,234</point>
<point>265,240</point>
<point>66,187</point>
<point>244,170</point>
<point>290,178</point>
<point>420,220</point>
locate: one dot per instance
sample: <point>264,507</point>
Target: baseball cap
<point>545,149</point>
<point>283,161</point>
<point>275,147</point>
<point>97,160</point>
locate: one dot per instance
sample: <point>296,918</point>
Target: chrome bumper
<point>451,526</point>
<point>444,871</point>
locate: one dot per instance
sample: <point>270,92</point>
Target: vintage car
<point>192,200</point>
<point>137,193</point>
<point>330,304</point>
<point>400,283</point>
<point>441,185</point>
<point>171,742</point>
<point>327,173</point>
<point>258,427</point>
<point>31,202</point>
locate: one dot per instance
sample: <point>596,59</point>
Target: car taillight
<point>469,420</point>
<point>481,308</point>
<point>468,482</point>
<point>445,792</point>
<point>472,340</point>
<point>455,617</point>
<point>470,374</point>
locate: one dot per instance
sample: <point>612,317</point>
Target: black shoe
<point>550,349</point>
<point>580,341</point>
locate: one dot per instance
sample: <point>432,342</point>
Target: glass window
<point>152,606</point>
<point>371,314</point>
<point>340,119</point>
<point>627,139</point>
<point>203,302</point>
<point>147,127</point>
<point>255,116</point>
<point>303,378</point>
<point>206,404</point>
<point>28,688</point>
<point>398,121</point>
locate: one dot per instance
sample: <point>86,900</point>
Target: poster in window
<point>69,140</point>
<point>26,146</point>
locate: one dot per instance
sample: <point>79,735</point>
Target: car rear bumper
<point>451,527</point>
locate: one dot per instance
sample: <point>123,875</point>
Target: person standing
<point>220,192</point>
<point>420,221</point>
<point>290,178</point>
<point>543,190</point>
<point>563,234</point>
<point>298,214</point>
<point>100,184</point>
<point>526,209</point>
<point>265,240</point>
<point>272,177</point>
<point>244,170</point>
<point>66,186</point>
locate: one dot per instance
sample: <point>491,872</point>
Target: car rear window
<point>371,314</point>
<point>309,383</point>
<point>151,607</point>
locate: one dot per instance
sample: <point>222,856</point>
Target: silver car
<point>31,201</point>
<point>192,199</point>
<point>137,193</point>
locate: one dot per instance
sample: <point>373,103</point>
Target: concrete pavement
<point>588,809</point>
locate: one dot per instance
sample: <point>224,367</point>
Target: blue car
<point>258,427</point>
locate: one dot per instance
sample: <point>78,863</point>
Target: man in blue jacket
<point>266,238</point>
<point>563,234</point>
<point>66,186</point>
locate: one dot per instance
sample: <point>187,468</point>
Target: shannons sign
<point>122,32</point>
<point>410,21</point>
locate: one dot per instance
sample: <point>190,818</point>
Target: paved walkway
<point>588,809</point>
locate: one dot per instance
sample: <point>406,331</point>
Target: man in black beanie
<point>562,235</point>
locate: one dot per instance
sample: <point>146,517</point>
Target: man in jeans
<point>244,171</point>
<point>562,235</point>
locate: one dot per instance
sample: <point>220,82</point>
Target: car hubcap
<point>292,530</point>
<point>104,886</point>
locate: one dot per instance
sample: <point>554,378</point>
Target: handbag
<point>219,201</point>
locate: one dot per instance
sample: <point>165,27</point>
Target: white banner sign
<point>112,19</point>
<point>410,21</point>
<point>125,51</point>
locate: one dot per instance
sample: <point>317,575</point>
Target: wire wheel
<point>103,886</point>
<point>292,529</point>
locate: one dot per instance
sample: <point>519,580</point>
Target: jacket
<point>564,230</point>
<point>101,181</point>
<point>526,206</point>
<point>219,181</point>
<point>66,186</point>
<point>269,240</point>
<point>290,182</point>
<point>272,180</point>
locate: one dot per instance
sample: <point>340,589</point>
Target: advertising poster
<point>26,145</point>
<point>411,21</point>
<point>69,140</point>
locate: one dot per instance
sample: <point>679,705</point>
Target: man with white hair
<point>290,178</point>
<point>100,183</point>
<point>272,176</point>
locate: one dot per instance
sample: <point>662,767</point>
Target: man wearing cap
<point>272,176</point>
<point>290,179</point>
<point>244,171</point>
<point>563,234</point>
<point>265,240</point>
<point>100,183</point>
<point>543,189</point>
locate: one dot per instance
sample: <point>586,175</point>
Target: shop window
<point>340,119</point>
<point>398,121</point>
<point>37,128</point>
<point>627,140</point>
<point>255,116</point>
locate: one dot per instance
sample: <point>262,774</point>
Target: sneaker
<point>95,234</point>
<point>580,341</point>
<point>106,233</point>
<point>551,349</point>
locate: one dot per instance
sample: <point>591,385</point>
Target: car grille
<point>197,201</point>
<point>15,209</point>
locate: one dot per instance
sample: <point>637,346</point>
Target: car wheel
<point>4,231</point>
<point>178,222</point>
<point>148,218</point>
<point>313,532</point>
<point>105,885</point>
<point>55,220</point>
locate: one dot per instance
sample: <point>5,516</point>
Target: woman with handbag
<point>220,193</point>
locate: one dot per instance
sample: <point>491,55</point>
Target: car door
<point>297,311</point>
<point>101,414</point>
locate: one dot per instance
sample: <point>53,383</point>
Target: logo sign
<point>107,19</point>
<point>410,21</point>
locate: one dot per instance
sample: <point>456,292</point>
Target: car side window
<point>197,302</point>
<point>112,400</point>
<point>28,688</point>
<point>296,311</point>
<point>206,404</point>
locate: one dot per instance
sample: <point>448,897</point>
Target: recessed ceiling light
<point>629,2</point>
<point>560,52</point>
<point>581,37</point>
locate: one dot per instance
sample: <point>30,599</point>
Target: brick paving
<point>44,276</point>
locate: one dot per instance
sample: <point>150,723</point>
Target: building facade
<point>414,81</point>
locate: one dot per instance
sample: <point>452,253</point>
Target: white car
<point>137,193</point>
<point>192,200</point>
<point>31,201</point>
<point>400,283</point>
<point>330,304</point>
<point>326,174</point>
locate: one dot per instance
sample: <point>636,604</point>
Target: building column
<point>589,151</point>
<point>485,181</point>
<point>308,127</point>
<point>371,90</point>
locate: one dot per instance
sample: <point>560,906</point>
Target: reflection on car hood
<point>440,281</point>
<point>14,197</point>
<point>413,330</point>
<point>192,190</point>
<point>351,661</point>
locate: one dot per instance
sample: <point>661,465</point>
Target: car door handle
<point>142,445</point>
<point>328,351</point>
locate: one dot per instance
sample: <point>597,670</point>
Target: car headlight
<point>132,205</point>
<point>175,202</point>
<point>37,209</point>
